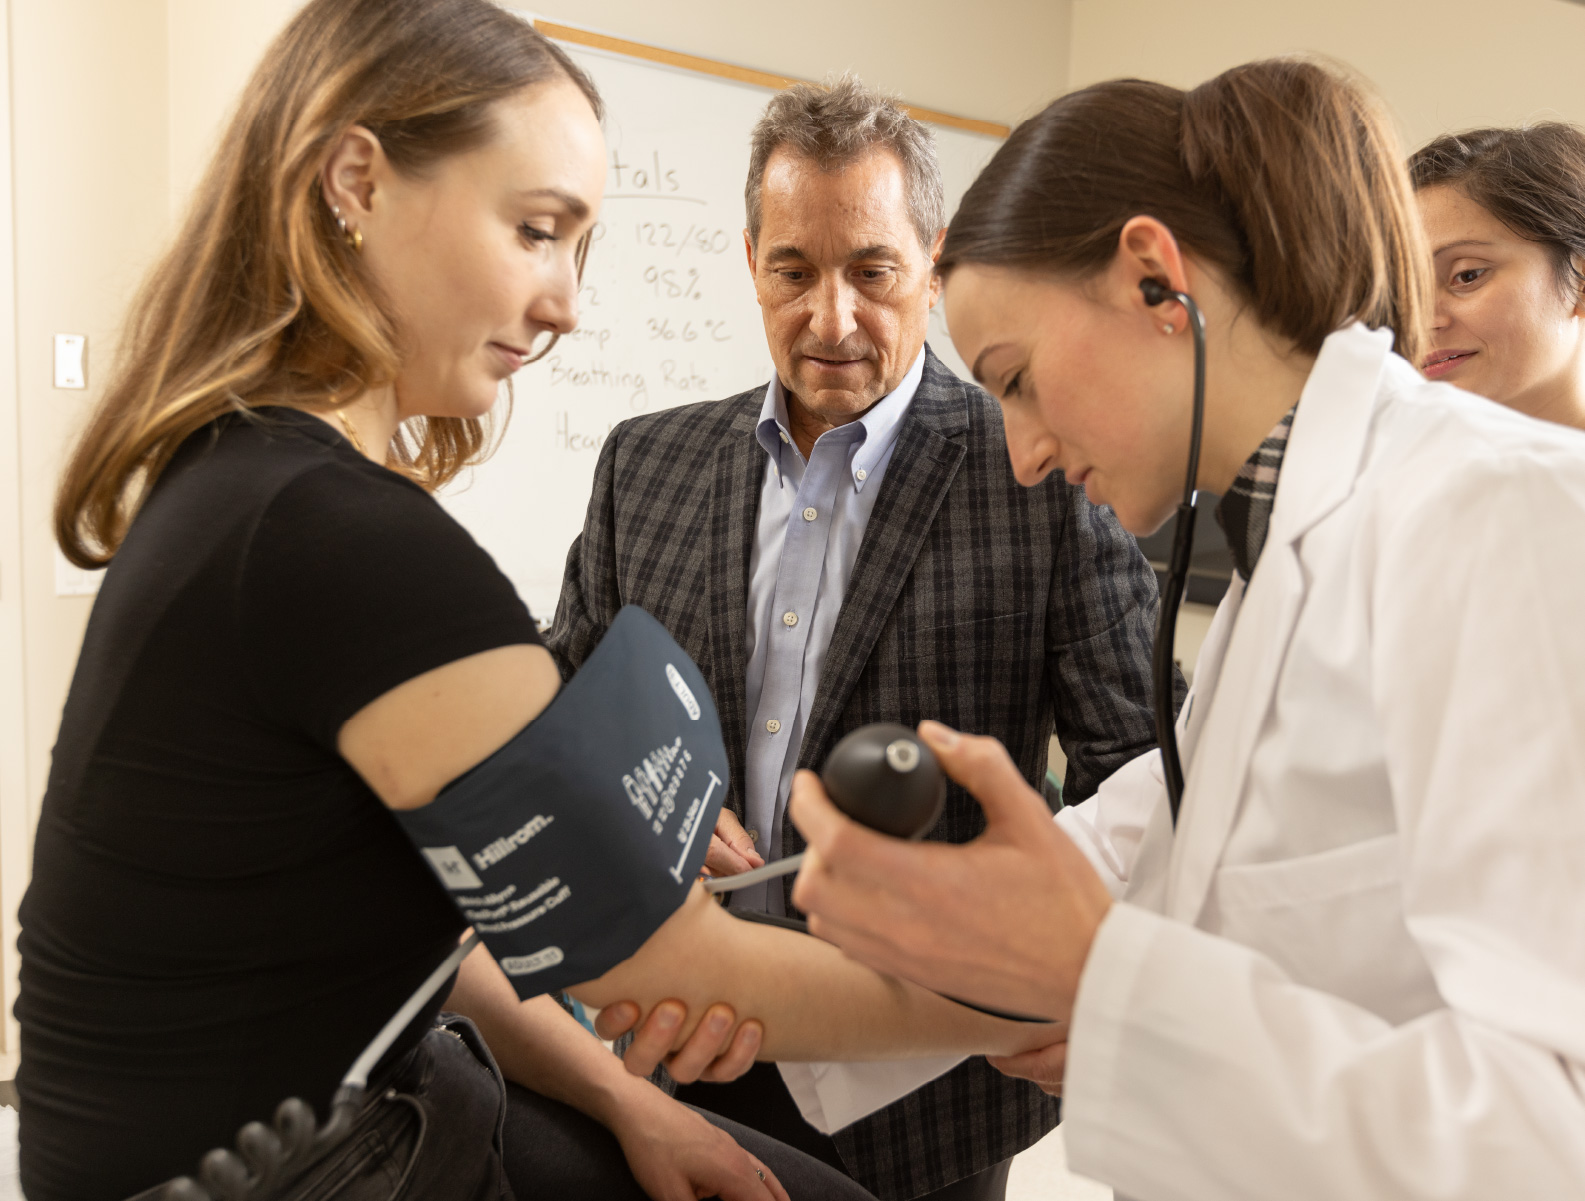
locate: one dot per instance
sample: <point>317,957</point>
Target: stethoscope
<point>1161,664</point>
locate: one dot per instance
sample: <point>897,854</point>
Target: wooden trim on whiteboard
<point>764,79</point>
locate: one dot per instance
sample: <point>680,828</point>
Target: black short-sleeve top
<point>222,914</point>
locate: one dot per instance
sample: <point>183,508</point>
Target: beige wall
<point>1440,64</point>
<point>15,827</point>
<point>213,46</point>
<point>1001,66</point>
<point>999,60</point>
<point>88,176</point>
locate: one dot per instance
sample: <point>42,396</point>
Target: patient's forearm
<point>816,1003</point>
<point>538,1044</point>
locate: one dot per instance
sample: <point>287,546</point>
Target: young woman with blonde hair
<point>292,631</point>
<point>293,639</point>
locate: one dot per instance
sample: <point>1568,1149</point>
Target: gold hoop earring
<point>353,238</point>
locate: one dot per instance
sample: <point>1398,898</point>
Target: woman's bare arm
<point>412,741</point>
<point>814,1002</point>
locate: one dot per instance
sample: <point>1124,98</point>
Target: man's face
<point>843,283</point>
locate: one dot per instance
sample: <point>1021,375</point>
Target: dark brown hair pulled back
<point>1282,174</point>
<point>259,301</point>
<point>1532,179</point>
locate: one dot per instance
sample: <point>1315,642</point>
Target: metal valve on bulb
<point>882,777</point>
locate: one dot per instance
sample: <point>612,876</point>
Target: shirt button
<point>789,619</point>
<point>811,513</point>
<point>784,436</point>
<point>861,475</point>
<point>773,726</point>
<point>753,835</point>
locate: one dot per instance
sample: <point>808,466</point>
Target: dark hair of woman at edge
<point>260,300</point>
<point>1279,174</point>
<point>1532,179</point>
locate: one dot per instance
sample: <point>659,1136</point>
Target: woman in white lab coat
<point>1356,968</point>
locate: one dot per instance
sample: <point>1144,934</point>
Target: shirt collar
<point>1244,513</point>
<point>872,435</point>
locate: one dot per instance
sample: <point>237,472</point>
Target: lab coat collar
<point>1330,427</point>
<point>1323,460</point>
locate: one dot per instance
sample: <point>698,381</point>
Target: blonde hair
<point>260,301</point>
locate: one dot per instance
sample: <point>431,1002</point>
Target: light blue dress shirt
<point>812,517</point>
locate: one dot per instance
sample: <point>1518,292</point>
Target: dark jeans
<point>554,1151</point>
<point>445,1127</point>
<point>759,1100</point>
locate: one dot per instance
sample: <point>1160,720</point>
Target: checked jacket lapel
<point>734,509</point>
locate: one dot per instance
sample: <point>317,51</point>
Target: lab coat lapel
<point>734,509</point>
<point>1322,461</point>
<point>1147,882</point>
<point>924,463</point>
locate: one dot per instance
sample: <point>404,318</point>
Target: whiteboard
<point>668,314</point>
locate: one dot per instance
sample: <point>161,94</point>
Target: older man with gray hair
<point>847,544</point>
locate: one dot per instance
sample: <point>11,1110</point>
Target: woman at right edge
<point>1504,211</point>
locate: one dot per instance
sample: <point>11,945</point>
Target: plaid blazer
<point>998,609</point>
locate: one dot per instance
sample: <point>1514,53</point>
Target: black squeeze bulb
<point>883,776</point>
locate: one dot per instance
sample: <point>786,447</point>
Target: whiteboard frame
<point>562,32</point>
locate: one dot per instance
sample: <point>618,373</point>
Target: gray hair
<point>835,124</point>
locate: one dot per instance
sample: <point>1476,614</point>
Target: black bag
<point>431,1130</point>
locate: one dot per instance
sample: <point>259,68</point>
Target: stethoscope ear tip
<point>1155,291</point>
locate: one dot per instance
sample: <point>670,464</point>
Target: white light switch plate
<point>70,350</point>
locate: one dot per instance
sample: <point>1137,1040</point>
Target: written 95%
<point>664,331</point>
<point>672,284</point>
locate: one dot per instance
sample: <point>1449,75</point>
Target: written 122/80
<point>663,235</point>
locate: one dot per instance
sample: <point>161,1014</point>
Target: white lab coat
<point>1357,972</point>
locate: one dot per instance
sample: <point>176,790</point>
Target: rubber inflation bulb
<point>883,776</point>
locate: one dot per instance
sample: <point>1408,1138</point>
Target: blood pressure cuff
<point>574,842</point>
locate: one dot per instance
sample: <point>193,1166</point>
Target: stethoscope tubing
<point>1177,566</point>
<point>781,867</point>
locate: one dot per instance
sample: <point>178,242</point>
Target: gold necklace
<point>352,434</point>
